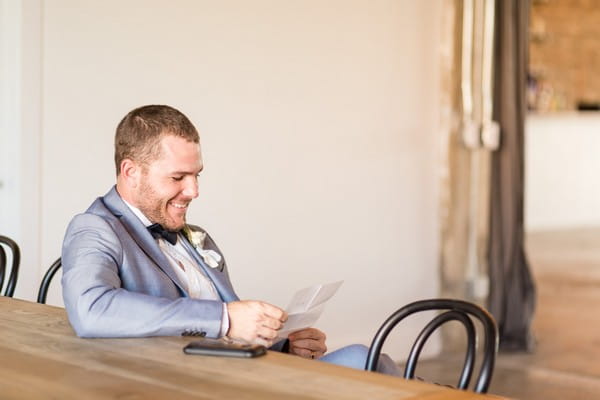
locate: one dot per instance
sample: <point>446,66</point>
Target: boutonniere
<point>196,239</point>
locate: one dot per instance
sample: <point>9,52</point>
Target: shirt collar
<point>138,213</point>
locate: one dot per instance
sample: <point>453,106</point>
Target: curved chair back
<point>455,310</point>
<point>43,292</point>
<point>6,242</point>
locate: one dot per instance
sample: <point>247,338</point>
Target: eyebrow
<point>186,172</point>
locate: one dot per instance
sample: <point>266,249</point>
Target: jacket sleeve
<point>282,346</point>
<point>98,305</point>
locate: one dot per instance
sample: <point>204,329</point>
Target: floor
<point>566,361</point>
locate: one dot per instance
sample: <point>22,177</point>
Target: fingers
<point>266,332</point>
<point>272,311</point>
<point>305,353</point>
<point>308,346</point>
<point>270,322</point>
<point>308,343</point>
<point>308,333</point>
<point>255,321</point>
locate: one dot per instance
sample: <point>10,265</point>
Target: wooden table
<point>40,357</point>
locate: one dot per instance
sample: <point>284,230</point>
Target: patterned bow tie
<point>158,232</point>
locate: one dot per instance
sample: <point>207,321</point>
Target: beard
<point>155,208</point>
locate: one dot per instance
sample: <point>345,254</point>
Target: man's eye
<point>177,178</point>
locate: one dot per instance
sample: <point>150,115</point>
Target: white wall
<point>318,125</point>
<point>20,135</point>
<point>562,164</point>
<point>10,145</point>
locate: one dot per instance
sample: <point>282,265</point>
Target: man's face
<point>167,185</point>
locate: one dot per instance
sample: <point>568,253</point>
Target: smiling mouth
<point>179,206</point>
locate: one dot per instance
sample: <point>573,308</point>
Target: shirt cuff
<point>224,321</point>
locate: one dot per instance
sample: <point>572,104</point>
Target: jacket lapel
<point>140,235</point>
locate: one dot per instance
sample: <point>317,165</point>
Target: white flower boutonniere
<point>197,238</point>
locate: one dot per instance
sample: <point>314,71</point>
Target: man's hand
<point>308,343</point>
<point>254,321</point>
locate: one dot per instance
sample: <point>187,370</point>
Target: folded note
<point>307,305</point>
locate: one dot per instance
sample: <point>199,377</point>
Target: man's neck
<point>123,192</point>
<point>136,211</point>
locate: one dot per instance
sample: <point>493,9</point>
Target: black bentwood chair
<point>455,310</point>
<point>43,292</point>
<point>8,243</point>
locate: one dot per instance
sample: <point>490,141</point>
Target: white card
<point>307,305</point>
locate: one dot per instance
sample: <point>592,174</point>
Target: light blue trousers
<point>355,356</point>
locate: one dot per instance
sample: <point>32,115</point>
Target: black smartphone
<point>220,348</point>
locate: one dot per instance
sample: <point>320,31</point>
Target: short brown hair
<point>139,132</point>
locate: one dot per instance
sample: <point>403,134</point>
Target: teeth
<point>179,205</point>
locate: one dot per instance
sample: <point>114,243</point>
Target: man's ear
<point>130,172</point>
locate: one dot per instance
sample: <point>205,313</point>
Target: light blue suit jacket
<point>118,283</point>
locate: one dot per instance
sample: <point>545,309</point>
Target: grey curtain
<point>512,290</point>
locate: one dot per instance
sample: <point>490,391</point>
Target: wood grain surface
<point>41,357</point>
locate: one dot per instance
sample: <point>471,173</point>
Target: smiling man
<point>134,267</point>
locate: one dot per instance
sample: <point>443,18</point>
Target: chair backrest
<point>43,292</point>
<point>11,282</point>
<point>455,310</point>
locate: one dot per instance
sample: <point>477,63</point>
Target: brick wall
<point>564,53</point>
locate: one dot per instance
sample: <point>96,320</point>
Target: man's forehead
<point>177,153</point>
<point>168,138</point>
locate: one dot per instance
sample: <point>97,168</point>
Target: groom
<point>133,266</point>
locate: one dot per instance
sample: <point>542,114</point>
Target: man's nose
<point>191,188</point>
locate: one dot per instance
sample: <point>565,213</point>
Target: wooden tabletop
<point>40,357</point>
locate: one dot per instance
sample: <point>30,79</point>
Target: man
<point>134,267</point>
